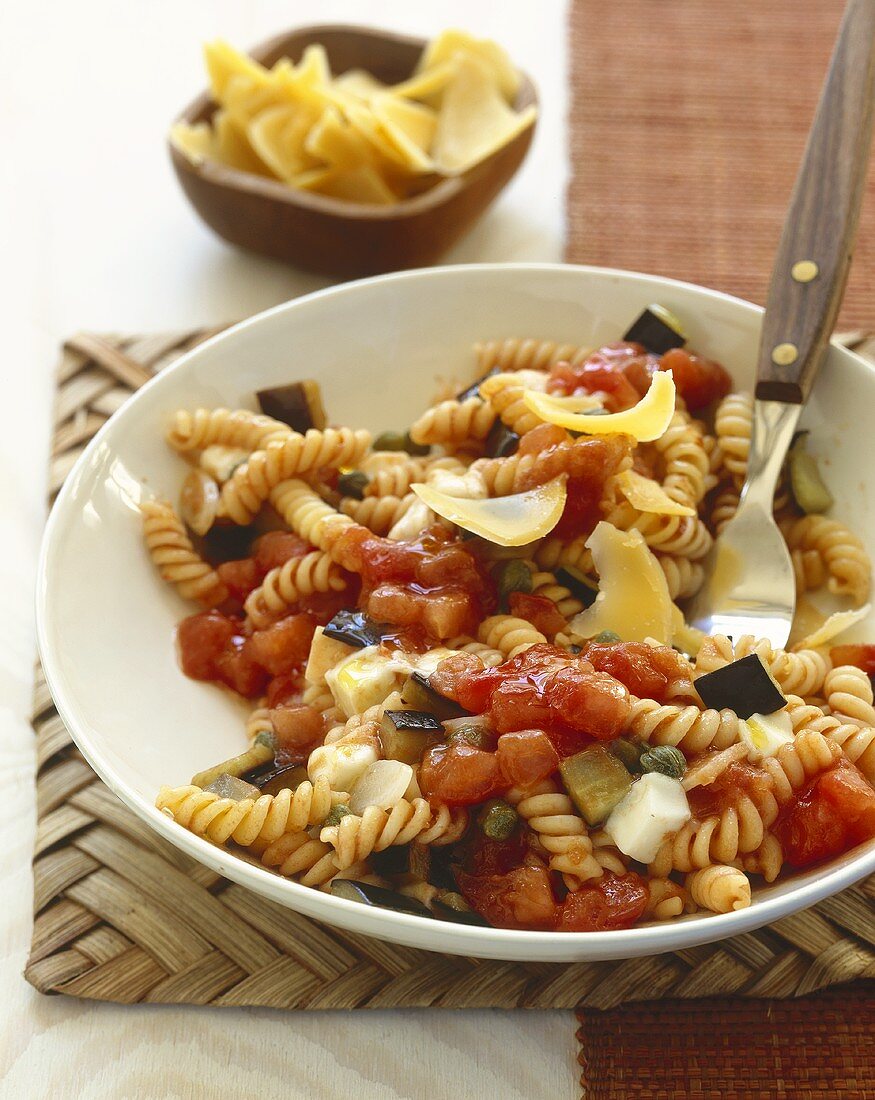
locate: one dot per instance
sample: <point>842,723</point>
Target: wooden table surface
<point>96,236</point>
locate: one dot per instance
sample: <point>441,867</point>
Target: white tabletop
<point>96,235</point>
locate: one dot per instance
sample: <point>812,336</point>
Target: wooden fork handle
<point>814,255</point>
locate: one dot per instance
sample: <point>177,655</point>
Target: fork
<point>749,585</point>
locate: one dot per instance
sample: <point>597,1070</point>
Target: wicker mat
<point>687,125</point>
<point>121,915</point>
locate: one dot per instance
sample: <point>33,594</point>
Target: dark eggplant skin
<point>653,332</point>
<point>418,692</point>
<point>378,896</point>
<point>474,389</point>
<point>501,441</point>
<point>745,686</point>
<point>355,629</point>
<point>458,916</point>
<point>418,720</point>
<point>577,586</point>
<point>298,404</point>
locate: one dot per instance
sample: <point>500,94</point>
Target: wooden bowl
<point>332,236</point>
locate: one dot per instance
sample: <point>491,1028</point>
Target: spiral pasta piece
<point>379,514</point>
<point>683,536</point>
<point>607,854</point>
<point>842,552</point>
<point>800,673</point>
<point>733,424</point>
<point>555,554</point>
<point>683,577</point>
<point>667,899</point>
<point>560,831</point>
<point>454,422</point>
<point>259,721</point>
<point>192,431</point>
<point>175,557</point>
<point>856,742</point>
<point>504,395</point>
<point>767,860</point>
<point>687,728</point>
<point>356,836</point>
<point>250,485</point>
<point>288,583</point>
<point>719,838</point>
<point>516,473</point>
<point>545,584</point>
<point>307,514</point>
<point>394,479</point>
<point>723,508</point>
<point>799,761</point>
<point>719,888</point>
<point>299,855</point>
<point>848,692</point>
<point>509,634</point>
<point>686,462</point>
<point>526,354</point>
<point>489,656</point>
<point>249,821</point>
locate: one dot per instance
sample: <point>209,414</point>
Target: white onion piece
<point>383,784</point>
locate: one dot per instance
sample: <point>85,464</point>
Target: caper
<point>627,751</point>
<point>337,813</point>
<point>665,759</point>
<point>512,575</point>
<point>414,448</point>
<point>607,637</point>
<point>389,441</point>
<point>353,484</point>
<point>497,819</point>
<point>266,738</point>
<point>476,736</point>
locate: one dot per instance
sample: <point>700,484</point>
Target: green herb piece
<point>337,813</point>
<point>267,738</point>
<point>497,819</point>
<point>389,441</point>
<point>607,637</point>
<point>665,759</point>
<point>512,575</point>
<point>353,484</point>
<point>414,448</point>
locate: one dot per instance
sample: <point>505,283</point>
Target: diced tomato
<point>539,611</point>
<point>611,902</point>
<point>621,371</point>
<point>284,646</point>
<point>647,671</point>
<point>699,381</point>
<point>478,855</point>
<point>201,638</point>
<point>543,688</point>
<point>832,814</point>
<point>862,656</point>
<point>526,757</point>
<point>582,509</point>
<point>275,548</point>
<point>283,689</point>
<point>298,730</point>
<point>737,780</point>
<point>323,606</point>
<point>236,668</point>
<point>459,774</point>
<point>522,898</point>
<point>240,576</point>
<point>541,438</point>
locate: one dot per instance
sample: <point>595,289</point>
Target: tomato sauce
<point>829,816</point>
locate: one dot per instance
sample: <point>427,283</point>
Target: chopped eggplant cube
<point>745,686</point>
<point>657,330</point>
<point>414,448</point>
<point>241,765</point>
<point>353,484</point>
<point>354,628</point>
<point>474,389</point>
<point>501,441</point>
<point>287,778</point>
<point>809,489</point>
<point>418,692</point>
<point>452,906</point>
<point>578,584</point>
<point>596,781</point>
<point>230,786</point>
<point>407,862</point>
<point>406,734</point>
<point>377,896</point>
<point>299,405</point>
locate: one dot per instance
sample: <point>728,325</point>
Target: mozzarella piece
<point>414,521</point>
<point>383,784</point>
<point>654,808</point>
<point>325,653</point>
<point>341,765</point>
<point>365,678</point>
<point>764,734</point>
<point>633,598</point>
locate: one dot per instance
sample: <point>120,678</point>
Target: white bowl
<point>105,620</point>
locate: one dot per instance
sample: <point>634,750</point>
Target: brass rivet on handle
<point>803,271</point>
<point>784,354</point>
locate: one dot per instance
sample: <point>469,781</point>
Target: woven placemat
<point>122,915</point>
<point>687,126</point>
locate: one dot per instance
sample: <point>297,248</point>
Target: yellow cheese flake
<point>648,495</point>
<point>633,599</point>
<point>508,521</point>
<point>836,624</point>
<point>645,421</point>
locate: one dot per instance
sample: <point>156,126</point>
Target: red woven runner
<point>688,122</point>
<point>687,125</point>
